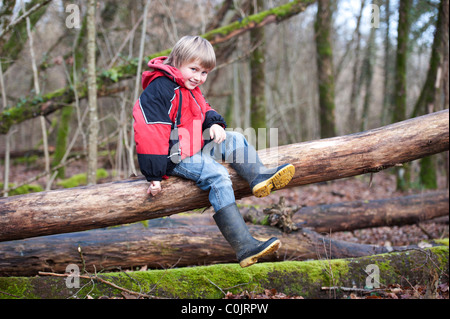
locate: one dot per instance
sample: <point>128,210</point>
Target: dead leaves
<point>268,294</point>
<point>397,291</point>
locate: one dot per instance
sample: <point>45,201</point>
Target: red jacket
<point>154,115</point>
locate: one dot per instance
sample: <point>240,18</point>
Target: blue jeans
<point>208,174</point>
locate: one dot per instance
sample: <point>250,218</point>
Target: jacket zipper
<point>201,112</point>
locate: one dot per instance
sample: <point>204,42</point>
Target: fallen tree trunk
<point>302,278</point>
<point>90,207</point>
<point>348,216</point>
<point>404,210</point>
<point>134,246</point>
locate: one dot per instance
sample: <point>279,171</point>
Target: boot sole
<point>277,181</point>
<point>254,259</point>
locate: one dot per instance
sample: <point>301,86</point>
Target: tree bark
<point>399,112</point>
<point>387,91</point>
<point>258,75</point>
<point>356,83</point>
<point>92,95</point>
<point>171,244</point>
<point>126,201</point>
<point>367,74</point>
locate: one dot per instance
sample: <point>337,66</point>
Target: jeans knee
<point>221,175</point>
<point>236,139</point>
<point>215,175</point>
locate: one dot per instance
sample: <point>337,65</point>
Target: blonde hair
<point>192,48</point>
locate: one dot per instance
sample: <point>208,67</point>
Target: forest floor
<point>381,185</point>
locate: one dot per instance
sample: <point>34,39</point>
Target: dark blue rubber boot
<point>233,228</point>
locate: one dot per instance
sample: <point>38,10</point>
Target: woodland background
<point>331,68</point>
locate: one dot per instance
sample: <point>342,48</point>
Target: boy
<point>173,127</point>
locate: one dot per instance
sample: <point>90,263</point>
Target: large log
<point>403,210</point>
<point>303,278</point>
<point>348,216</point>
<point>165,246</point>
<point>90,207</point>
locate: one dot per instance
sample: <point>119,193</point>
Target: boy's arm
<point>212,117</point>
<point>152,129</point>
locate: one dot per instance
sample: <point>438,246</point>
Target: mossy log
<point>51,102</point>
<point>170,244</point>
<point>302,278</point>
<point>117,203</point>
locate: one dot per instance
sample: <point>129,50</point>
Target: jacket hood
<point>161,69</point>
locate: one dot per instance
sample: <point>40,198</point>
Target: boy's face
<point>193,74</point>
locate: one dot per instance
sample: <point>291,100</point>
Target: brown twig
<point>42,273</point>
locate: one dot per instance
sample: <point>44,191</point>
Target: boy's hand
<point>154,188</point>
<point>217,133</point>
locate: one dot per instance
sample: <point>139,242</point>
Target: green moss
<point>428,176</point>
<point>28,108</point>
<point>61,139</point>
<point>26,160</point>
<point>280,12</point>
<point>443,241</point>
<point>16,287</point>
<point>24,189</point>
<point>80,179</point>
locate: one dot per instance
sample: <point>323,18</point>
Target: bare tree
<point>387,92</point>
<point>399,114</point>
<point>92,95</point>
<point>325,71</point>
<point>428,100</point>
<point>7,137</point>
<point>356,87</point>
<point>258,74</point>
<point>38,92</point>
